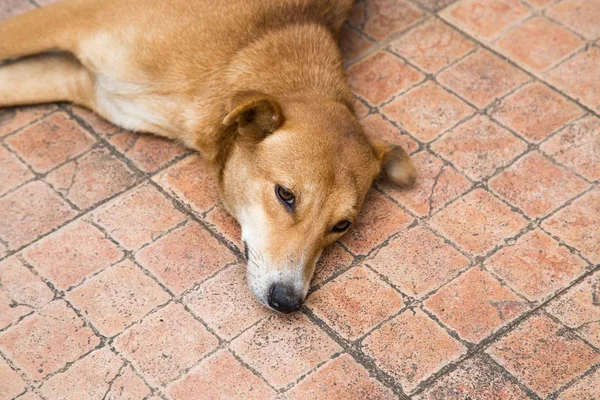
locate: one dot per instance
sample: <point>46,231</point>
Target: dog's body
<point>257,86</point>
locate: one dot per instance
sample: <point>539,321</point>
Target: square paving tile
<point>92,178</point>
<point>474,379</point>
<point>184,257</point>
<point>12,119</point>
<point>380,76</point>
<point>427,111</point>
<point>21,291</point>
<point>354,302</point>
<point>340,378</point>
<point>165,344</point>
<point>437,184</point>
<point>582,16</point>
<point>72,253</point>
<point>283,348</point>
<point>377,127</point>
<point>138,216</point>
<point>536,266</point>
<point>379,219</point>
<point>485,19</point>
<point>479,147</point>
<point>415,272</point>
<point>482,77</point>
<point>50,142</point>
<point>32,210</point>
<point>478,222</point>
<point>579,310</point>
<point>576,224</point>
<point>46,341</point>
<point>353,43</point>
<point>381,18</point>
<point>542,355</point>
<point>476,305</point>
<point>225,226</point>
<point>117,297</point>
<point>220,376</point>
<point>10,8</point>
<point>334,259</point>
<point>578,147</point>
<point>11,383</point>
<point>189,181</point>
<point>226,303</point>
<point>522,112</point>
<point>13,172</point>
<point>411,347</point>
<point>432,45</point>
<point>586,388</point>
<point>577,77</point>
<point>538,44</point>
<point>537,186</point>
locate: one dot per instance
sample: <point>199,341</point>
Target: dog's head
<point>295,180</point>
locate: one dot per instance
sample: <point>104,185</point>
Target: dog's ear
<point>256,114</point>
<point>395,163</point>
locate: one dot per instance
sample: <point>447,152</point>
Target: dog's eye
<point>285,196</point>
<point>342,226</point>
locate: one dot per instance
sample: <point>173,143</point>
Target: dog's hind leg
<point>46,78</point>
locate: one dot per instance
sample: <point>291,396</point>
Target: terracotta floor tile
<point>538,44</point>
<point>10,8</point>
<point>148,152</point>
<point>578,147</point>
<point>12,119</point>
<point>117,297</point>
<point>379,219</point>
<point>543,355</point>
<point>355,302</point>
<point>536,266</point>
<point>377,127</point>
<point>225,225</point>
<point>478,222</point>
<point>536,185</point>
<point>414,271</point>
<point>380,76</point>
<point>437,184</point>
<point>352,43</point>
<point>333,259</point>
<point>138,216</point>
<point>485,19</point>
<point>13,172</point>
<point>283,348</point>
<point>91,178</point>
<point>190,182</point>
<point>479,147</point>
<point>427,111</point>
<point>380,18</point>
<point>50,142</point>
<point>165,344</point>
<point>411,347</point>
<point>32,210</point>
<point>226,303</point>
<point>98,124</point>
<point>360,109</point>
<point>578,309</point>
<point>578,77</point>
<point>474,379</point>
<point>535,112</point>
<point>340,378</point>
<point>11,383</point>
<point>21,292</point>
<point>44,342</point>
<point>92,378</point>
<point>577,223</point>
<point>72,253</point>
<point>482,77</point>
<point>434,5</point>
<point>582,16</point>
<point>432,46</point>
<point>539,3</point>
<point>475,305</point>
<point>220,376</point>
<point>586,388</point>
<point>184,257</point>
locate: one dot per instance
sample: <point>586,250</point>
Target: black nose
<point>284,299</point>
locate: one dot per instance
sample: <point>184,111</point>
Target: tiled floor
<point>121,275</point>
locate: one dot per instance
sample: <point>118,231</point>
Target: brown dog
<point>257,86</point>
